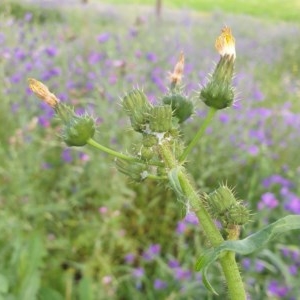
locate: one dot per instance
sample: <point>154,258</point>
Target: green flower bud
<point>238,215</point>
<point>220,200</point>
<point>161,118</point>
<point>149,140</point>
<point>134,170</point>
<point>147,153</point>
<point>181,106</point>
<point>219,93</point>
<point>137,106</point>
<point>78,130</point>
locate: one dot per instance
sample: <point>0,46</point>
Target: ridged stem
<point>232,275</point>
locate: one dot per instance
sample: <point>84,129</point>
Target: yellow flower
<point>42,91</point>
<point>225,43</point>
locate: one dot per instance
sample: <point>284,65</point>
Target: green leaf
<point>174,182</point>
<point>85,289</point>
<point>248,245</point>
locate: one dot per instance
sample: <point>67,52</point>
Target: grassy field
<point>270,9</point>
<point>72,226</point>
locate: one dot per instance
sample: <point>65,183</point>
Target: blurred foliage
<point>68,218</point>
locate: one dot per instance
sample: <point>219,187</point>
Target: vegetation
<point>72,226</point>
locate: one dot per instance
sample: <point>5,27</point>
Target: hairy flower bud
<point>219,93</point>
<point>134,170</point>
<point>137,106</point>
<point>182,107</point>
<point>161,118</point>
<point>221,199</point>
<point>78,130</point>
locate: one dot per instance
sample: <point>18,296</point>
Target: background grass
<point>69,221</point>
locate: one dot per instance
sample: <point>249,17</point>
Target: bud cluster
<point>224,207</point>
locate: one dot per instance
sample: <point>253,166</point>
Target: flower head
<point>225,43</point>
<point>176,76</point>
<point>42,91</point>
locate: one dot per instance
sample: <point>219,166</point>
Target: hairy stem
<point>232,275</point>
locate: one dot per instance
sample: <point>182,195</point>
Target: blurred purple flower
<point>67,155</point>
<point>173,263</point>
<point>191,218</point>
<point>2,38</point>
<point>293,270</point>
<point>138,272</point>
<point>246,263</point>
<point>258,94</point>
<point>181,227</point>
<point>16,78</point>
<point>103,37</point>
<point>293,205</point>
<point>151,57</point>
<point>129,258</point>
<point>51,51</point>
<point>151,252</point>
<point>259,266</point>
<point>94,58</point>
<point>253,150</point>
<point>268,200</point>
<point>224,118</point>
<point>182,274</point>
<point>276,289</point>
<point>19,54</point>
<point>276,179</point>
<point>159,284</point>
<point>28,16</point>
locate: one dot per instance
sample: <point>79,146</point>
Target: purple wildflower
<point>191,218</point>
<point>181,227</point>
<point>151,252</point>
<point>182,274</point>
<point>293,270</point>
<point>276,289</point>
<point>103,37</point>
<point>51,51</point>
<point>129,258</point>
<point>67,155</point>
<point>268,200</point>
<point>259,266</point>
<point>246,263</point>
<point>159,284</point>
<point>173,263</point>
<point>138,272</point>
<point>293,204</point>
<point>151,57</point>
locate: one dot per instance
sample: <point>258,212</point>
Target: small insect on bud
<point>219,93</point>
<point>177,74</point>
<point>42,91</point>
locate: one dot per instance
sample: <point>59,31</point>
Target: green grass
<point>271,9</point>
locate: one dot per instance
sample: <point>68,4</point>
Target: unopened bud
<point>161,118</point>
<point>137,106</point>
<point>181,106</point>
<point>221,199</point>
<point>134,170</point>
<point>238,215</point>
<point>219,93</point>
<point>78,130</point>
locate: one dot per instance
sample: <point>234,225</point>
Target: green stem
<point>111,152</point>
<point>232,275</point>
<point>198,135</point>
<point>93,143</point>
